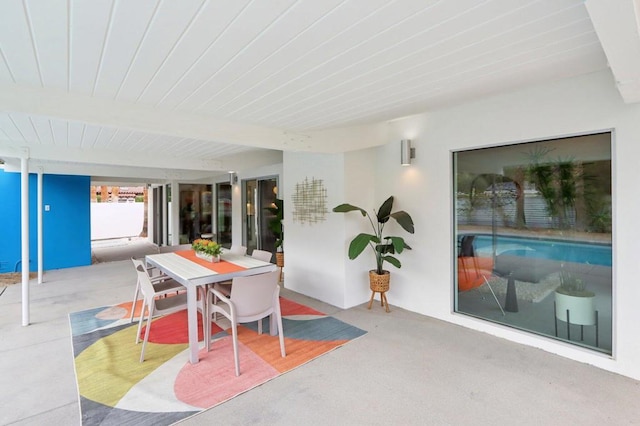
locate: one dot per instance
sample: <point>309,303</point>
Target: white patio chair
<point>162,285</point>
<point>224,287</point>
<point>155,306</point>
<point>252,298</point>
<point>262,255</point>
<point>241,250</point>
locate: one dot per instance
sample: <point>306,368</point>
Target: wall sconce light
<point>233,178</point>
<point>406,152</point>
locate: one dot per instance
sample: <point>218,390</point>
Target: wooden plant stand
<point>379,284</point>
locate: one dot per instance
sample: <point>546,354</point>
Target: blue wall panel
<point>9,220</point>
<point>67,225</point>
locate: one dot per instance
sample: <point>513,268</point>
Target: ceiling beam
<point>617,24</point>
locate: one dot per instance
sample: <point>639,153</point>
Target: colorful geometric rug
<point>115,388</point>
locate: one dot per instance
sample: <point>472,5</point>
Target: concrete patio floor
<point>409,369</point>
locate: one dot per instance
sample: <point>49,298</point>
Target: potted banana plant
<point>276,227</point>
<point>384,247</point>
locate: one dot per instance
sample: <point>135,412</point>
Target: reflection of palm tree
<point>557,182</point>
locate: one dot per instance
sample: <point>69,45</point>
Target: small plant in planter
<point>207,249</point>
<point>572,285</point>
<point>275,224</point>
<point>574,304</point>
<point>384,246</point>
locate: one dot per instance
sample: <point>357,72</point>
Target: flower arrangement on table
<point>207,249</point>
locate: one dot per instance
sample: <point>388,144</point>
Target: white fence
<point>116,220</point>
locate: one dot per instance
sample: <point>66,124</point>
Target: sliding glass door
<point>257,195</point>
<point>223,214</point>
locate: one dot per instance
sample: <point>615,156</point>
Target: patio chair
<point>241,250</point>
<point>473,273</point>
<point>262,255</point>
<point>252,298</point>
<point>224,287</point>
<point>162,285</point>
<point>155,306</point>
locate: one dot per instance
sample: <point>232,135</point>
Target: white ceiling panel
<point>89,25</point>
<point>196,81</point>
<point>75,135</point>
<point>169,24</point>
<point>211,21</point>
<point>241,32</point>
<point>271,39</point>
<point>131,20</point>
<point>16,43</point>
<point>89,136</point>
<point>49,27</point>
<point>290,54</point>
<point>9,128</point>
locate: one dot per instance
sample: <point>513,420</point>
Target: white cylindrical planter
<point>582,310</point>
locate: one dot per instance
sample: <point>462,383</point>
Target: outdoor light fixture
<point>233,178</point>
<point>406,152</point>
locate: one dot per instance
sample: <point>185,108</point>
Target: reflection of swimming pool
<point>591,253</point>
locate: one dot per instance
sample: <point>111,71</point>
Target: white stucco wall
<point>116,220</point>
<point>424,284</point>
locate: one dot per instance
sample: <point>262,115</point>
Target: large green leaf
<point>398,244</point>
<point>359,243</point>
<point>385,210</point>
<point>392,260</point>
<point>404,220</point>
<point>345,208</point>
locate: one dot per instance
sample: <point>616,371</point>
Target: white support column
<point>40,227</point>
<point>164,208</point>
<point>24,216</point>
<point>175,213</point>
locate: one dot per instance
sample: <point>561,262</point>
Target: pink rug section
<point>213,380</point>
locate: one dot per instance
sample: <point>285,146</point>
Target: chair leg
<point>494,295</point>
<point>146,334</point>
<point>278,315</point>
<point>135,300</point>
<point>207,323</point>
<point>234,331</point>
<point>141,319</point>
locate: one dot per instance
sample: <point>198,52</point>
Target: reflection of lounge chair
<point>474,271</point>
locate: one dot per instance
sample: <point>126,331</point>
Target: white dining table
<point>193,275</point>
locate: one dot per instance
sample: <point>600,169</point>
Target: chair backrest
<point>262,255</point>
<point>171,249</point>
<point>255,295</point>
<point>143,279</point>
<point>241,250</point>
<point>466,246</point>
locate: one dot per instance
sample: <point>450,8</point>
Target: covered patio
<point>408,369</point>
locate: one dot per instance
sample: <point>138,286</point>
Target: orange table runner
<point>222,267</point>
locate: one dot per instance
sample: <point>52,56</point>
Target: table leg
<point>192,318</point>
<point>511,302</point>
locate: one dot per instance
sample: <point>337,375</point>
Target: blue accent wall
<point>66,226</point>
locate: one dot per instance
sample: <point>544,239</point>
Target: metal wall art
<point>310,201</point>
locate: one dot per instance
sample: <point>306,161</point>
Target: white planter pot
<point>208,257</point>
<point>582,310</point>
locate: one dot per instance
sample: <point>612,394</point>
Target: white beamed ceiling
<point>186,84</point>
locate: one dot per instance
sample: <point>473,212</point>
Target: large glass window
<point>533,237</point>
